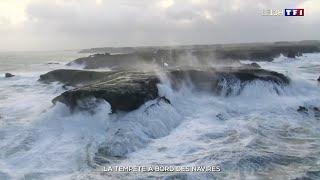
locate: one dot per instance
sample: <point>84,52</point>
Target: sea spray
<point>257,133</point>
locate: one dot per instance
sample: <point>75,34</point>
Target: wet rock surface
<point>124,91</point>
<point>226,81</point>
<point>255,65</point>
<point>310,110</point>
<point>73,77</point>
<point>8,75</point>
<point>302,109</point>
<point>128,90</point>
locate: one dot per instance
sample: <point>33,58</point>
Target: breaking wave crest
<point>251,130</point>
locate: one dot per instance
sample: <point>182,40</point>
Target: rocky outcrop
<point>128,90</point>
<point>310,110</point>
<point>302,109</point>
<point>318,79</point>
<point>266,52</point>
<point>73,77</point>
<point>51,63</point>
<point>255,65</point>
<point>8,75</point>
<point>174,56</point>
<point>226,81</point>
<point>124,91</point>
<point>115,62</point>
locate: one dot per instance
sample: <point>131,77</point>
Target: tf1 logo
<point>294,12</point>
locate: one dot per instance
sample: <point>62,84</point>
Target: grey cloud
<point>82,24</point>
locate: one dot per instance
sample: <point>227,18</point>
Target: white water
<point>258,134</point>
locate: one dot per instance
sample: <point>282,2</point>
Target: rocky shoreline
<point>132,78</point>
<point>135,57</point>
<point>128,90</point>
<point>131,81</point>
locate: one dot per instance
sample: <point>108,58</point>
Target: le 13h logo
<point>294,12</point>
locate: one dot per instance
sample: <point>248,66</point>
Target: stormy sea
<point>69,115</point>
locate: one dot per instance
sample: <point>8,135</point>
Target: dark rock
<point>149,59</point>
<point>316,112</point>
<point>318,79</point>
<point>128,90</point>
<point>66,86</point>
<point>302,109</point>
<point>310,110</point>
<point>117,61</point>
<point>203,53</point>
<point>110,50</point>
<point>8,75</point>
<point>72,77</point>
<point>306,109</point>
<point>124,91</point>
<point>164,99</point>
<point>224,81</point>
<point>255,65</point>
<point>50,63</point>
<point>267,52</point>
<point>220,116</point>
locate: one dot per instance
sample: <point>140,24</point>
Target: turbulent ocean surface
<point>257,134</point>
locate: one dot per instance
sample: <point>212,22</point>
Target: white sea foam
<point>257,133</point>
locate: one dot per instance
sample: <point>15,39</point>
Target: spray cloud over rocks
<point>189,114</point>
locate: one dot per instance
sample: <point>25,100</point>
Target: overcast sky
<point>73,24</point>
